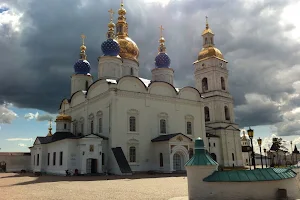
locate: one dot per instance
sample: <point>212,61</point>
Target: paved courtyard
<point>29,187</point>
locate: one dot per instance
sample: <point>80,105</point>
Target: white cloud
<point>20,139</point>
<point>7,115</point>
<point>38,117</point>
<point>22,145</point>
<point>10,17</point>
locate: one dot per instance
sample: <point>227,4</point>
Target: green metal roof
<point>201,156</point>
<point>269,174</point>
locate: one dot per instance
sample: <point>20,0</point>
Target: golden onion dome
<point>210,51</point>
<point>128,48</point>
<point>83,47</point>
<point>122,10</point>
<point>63,117</point>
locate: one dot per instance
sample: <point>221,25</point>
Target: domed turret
<point>110,47</point>
<point>162,70</point>
<point>82,66</point>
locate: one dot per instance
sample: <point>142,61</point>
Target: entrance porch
<point>172,151</point>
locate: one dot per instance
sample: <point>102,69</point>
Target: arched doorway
<point>214,156</point>
<point>177,162</point>
<point>2,166</point>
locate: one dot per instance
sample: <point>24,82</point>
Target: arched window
<point>161,160</point>
<point>206,114</point>
<point>204,85</point>
<point>222,83</point>
<point>227,116</point>
<point>163,126</point>
<point>92,126</point>
<point>132,154</point>
<point>132,124</point>
<point>205,40</point>
<point>100,124</point>
<point>232,156</point>
<point>86,85</point>
<point>65,126</point>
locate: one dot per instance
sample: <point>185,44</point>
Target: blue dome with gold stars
<point>162,60</point>
<point>82,67</point>
<point>110,47</point>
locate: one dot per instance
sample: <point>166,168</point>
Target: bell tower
<point>211,79</point>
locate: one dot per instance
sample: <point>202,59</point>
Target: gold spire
<point>128,48</point>
<point>50,128</point>
<point>207,29</point>
<point>111,26</point>
<point>162,47</point>
<point>83,48</point>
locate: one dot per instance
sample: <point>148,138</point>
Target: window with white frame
<point>132,154</point>
<point>163,126</point>
<point>163,123</point>
<point>189,124</point>
<point>133,146</point>
<point>133,120</point>
<point>100,116</point>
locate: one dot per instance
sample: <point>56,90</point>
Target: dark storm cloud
<point>38,61</point>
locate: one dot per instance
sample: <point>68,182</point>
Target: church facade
<point>121,123</point>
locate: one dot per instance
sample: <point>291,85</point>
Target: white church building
<point>121,123</point>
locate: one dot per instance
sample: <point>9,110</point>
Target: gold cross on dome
<point>161,30</point>
<point>83,37</point>
<point>111,14</point>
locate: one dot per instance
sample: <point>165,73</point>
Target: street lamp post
<point>265,151</point>
<point>261,160</point>
<point>250,134</point>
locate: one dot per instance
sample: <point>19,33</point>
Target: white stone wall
<point>200,190</point>
<point>78,82</point>
<point>110,67</point>
<point>130,67</point>
<point>15,162</point>
<point>163,74</point>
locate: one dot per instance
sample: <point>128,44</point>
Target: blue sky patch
<point>3,9</point>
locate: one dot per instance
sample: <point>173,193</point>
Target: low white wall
<point>15,163</point>
<point>261,190</point>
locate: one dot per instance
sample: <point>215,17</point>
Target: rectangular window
<point>60,158</point>
<point>48,159</point>
<point>91,148</point>
<point>65,126</point>
<point>54,157</point>
<point>189,128</point>
<point>38,160</point>
<point>161,160</point>
<point>74,127</point>
<point>163,126</point>
<point>34,160</point>
<point>100,125</point>
<point>103,159</point>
